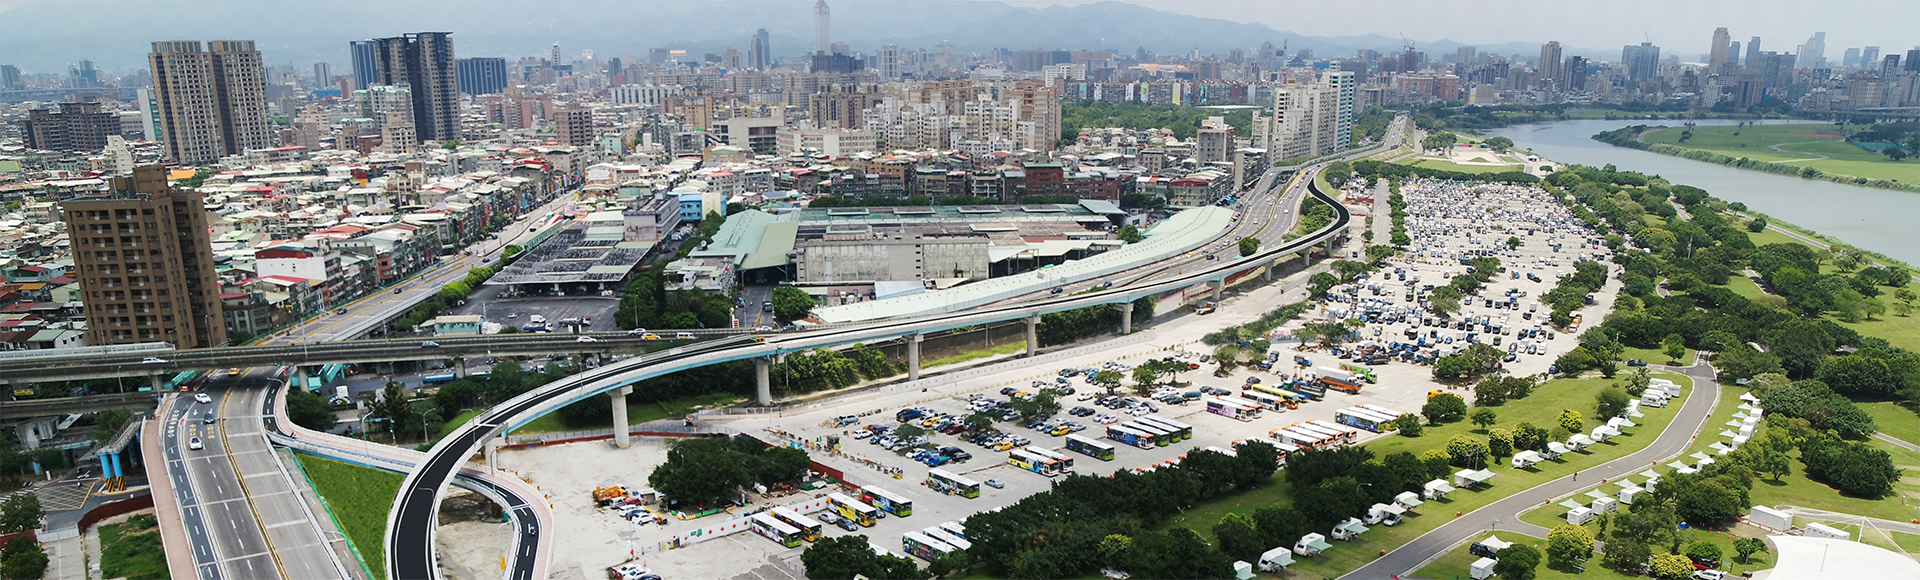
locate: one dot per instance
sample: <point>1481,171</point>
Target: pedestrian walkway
<point>1819,514</point>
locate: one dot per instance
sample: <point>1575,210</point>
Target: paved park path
<point>1505,513</point>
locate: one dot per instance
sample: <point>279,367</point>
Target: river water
<point>1881,220</point>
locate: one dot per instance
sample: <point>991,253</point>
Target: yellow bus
<point>852,509</point>
<point>809,528</point>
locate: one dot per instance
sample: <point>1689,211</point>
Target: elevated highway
<point>412,524</point>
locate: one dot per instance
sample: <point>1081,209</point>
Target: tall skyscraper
<point>141,253</point>
<point>1550,61</point>
<point>1643,61</point>
<point>822,28</point>
<point>1890,65</point>
<point>1813,54</point>
<point>1717,57</point>
<point>366,62</point>
<point>1870,59</point>
<point>1733,54</point>
<point>1753,50</point>
<point>1850,58</point>
<point>1465,56</point>
<point>424,62</point>
<point>1913,61</point>
<point>1344,87</point>
<point>10,77</point>
<point>483,75</point>
<point>890,62</point>
<point>1575,70</point>
<point>212,102</point>
<point>759,54</point>
<point>556,61</point>
<point>322,75</point>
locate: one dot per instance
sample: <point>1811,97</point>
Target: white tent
<point>1748,397</point>
<point>1408,499</point>
<point>1804,558</point>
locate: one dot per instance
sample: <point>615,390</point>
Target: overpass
<point>84,404</point>
<point>412,523</point>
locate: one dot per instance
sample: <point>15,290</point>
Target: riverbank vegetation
<point>1868,172</point>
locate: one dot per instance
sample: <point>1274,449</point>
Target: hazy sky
<point>1678,26</point>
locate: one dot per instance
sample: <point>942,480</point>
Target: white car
<point>586,339</point>
<point>202,398</point>
<point>195,444</point>
<point>153,360</point>
<point>763,329</point>
<point>637,332</point>
<point>684,336</point>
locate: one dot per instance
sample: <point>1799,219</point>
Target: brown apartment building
<point>212,102</point>
<point>145,263</point>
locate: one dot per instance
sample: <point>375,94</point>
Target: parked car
<point>996,484</point>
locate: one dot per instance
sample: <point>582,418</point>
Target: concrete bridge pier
<point>154,381</point>
<point>493,450</point>
<point>1126,317</point>
<point>762,386</point>
<point>306,382</point>
<point>619,396</point>
<point>1033,335</point>
<point>1219,289</point>
<point>913,357</point>
<point>459,367</point>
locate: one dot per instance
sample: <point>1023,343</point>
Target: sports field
<point>1818,146</point>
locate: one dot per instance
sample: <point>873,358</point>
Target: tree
<point>1627,554</point>
<point>1703,550</point>
<point>1130,234</point>
<point>1528,437</point>
<point>909,431</point>
<point>699,471</point>
<point>953,562</point>
<point>1453,367</point>
<point>1743,361</point>
<point>1498,144</point>
<point>1249,246</point>
<point>1445,300</point>
<point>1568,545</point>
<point>1757,225</point>
<point>395,408</point>
<point>980,421</point>
<point>1489,392</point>
<point>1610,402</point>
<point>790,303</point>
<point>1483,417</point>
<point>20,512</point>
<point>1408,425</point>
<point>1747,547</point>
<point>1443,407</point>
<point>23,559</point>
<point>1466,451</point>
<point>1674,347</point>
<point>1380,252</point>
<point>1319,283</point>
<point>1238,538</point>
<point>1279,525</point>
<point>1500,442</point>
<point>839,557</point>
<point>1517,562</point>
<point>1108,379</point>
<point>309,410</point>
<point>1571,421</point>
<point>1671,566</point>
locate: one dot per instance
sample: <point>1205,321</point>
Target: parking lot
<point>1450,223</point>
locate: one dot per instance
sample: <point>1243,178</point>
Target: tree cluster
<point>706,472</point>
<point>1085,523</point>
<point>1331,485</point>
<point>852,557</point>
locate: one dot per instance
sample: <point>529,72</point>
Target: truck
<point>1361,372</point>
<point>1338,379</point>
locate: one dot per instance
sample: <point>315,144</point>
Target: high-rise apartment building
<point>322,75</point>
<point>1870,59</point>
<point>1549,61</point>
<point>1304,122</point>
<point>1717,57</point>
<point>573,126</point>
<point>1465,57</point>
<point>1813,54</point>
<point>483,75</point>
<point>424,62</point>
<point>1890,65</point>
<point>1753,50</point>
<point>759,54</point>
<point>1733,54</point>
<point>145,263</point>
<point>1344,85</point>
<point>1038,104</point>
<point>1913,61</point>
<point>366,62</point>
<point>890,62</point>
<point>822,28</point>
<point>1213,140</point>
<point>1575,69</point>
<point>212,102</point>
<point>10,77</point>
<point>72,127</point>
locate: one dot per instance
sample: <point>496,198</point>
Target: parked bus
<point>941,534</point>
<point>1255,405</point>
<point>892,502</point>
<point>1362,418</point>
<point>1129,436</point>
<point>1183,430</point>
<point>1228,408</point>
<point>1268,401</point>
<point>1303,393</point>
<point>924,547</point>
<point>1098,450</point>
<point>1303,439</point>
<point>1063,460</point>
<point>852,509</point>
<point>1161,436</point>
<point>1347,434</point>
<point>1042,465</point>
<point>1379,409</point>
<point>1226,452</point>
<point>1334,437</point>
<point>438,379</point>
<point>809,527</point>
<point>1286,450</point>
<point>775,530</point>
<point>946,482</point>
<point>958,531</point>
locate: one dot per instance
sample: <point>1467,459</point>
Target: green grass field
<point>1456,563</point>
<point>637,413</point>
<point>1433,163</point>
<point>358,498</point>
<point>1656,356</point>
<point>1895,541</point>
<point>132,549</point>
<point>1541,408</point>
<point>1816,146</point>
<point>1797,490</point>
<point>1894,420</point>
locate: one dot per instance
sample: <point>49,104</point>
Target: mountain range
<point>47,36</point>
